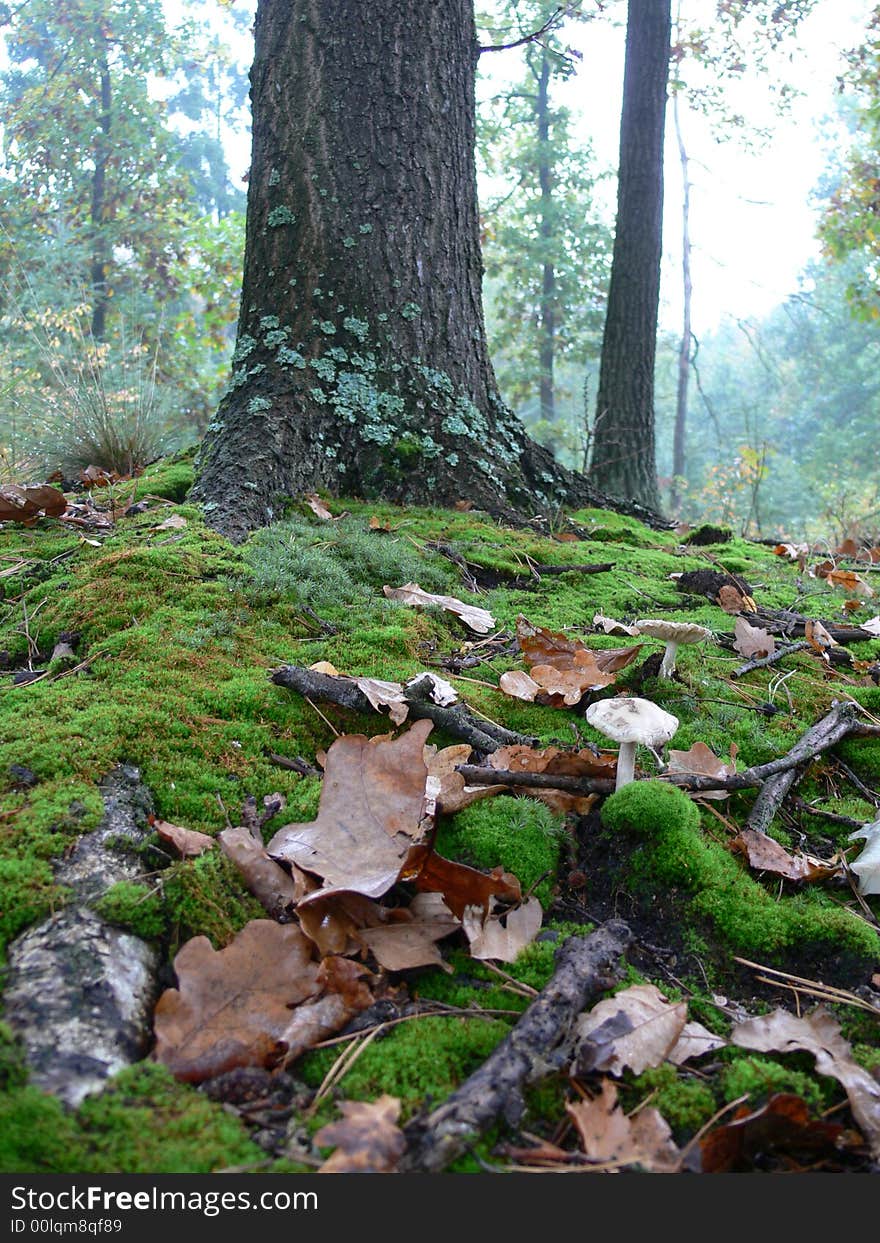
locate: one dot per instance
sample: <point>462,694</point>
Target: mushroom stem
<point>626,765</point>
<point>667,667</point>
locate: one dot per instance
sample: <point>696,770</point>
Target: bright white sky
<point>752,223</point>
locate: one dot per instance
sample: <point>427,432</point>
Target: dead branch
<point>765,661</point>
<point>482,735</point>
<point>539,1045</point>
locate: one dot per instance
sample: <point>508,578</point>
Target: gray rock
<point>80,992</point>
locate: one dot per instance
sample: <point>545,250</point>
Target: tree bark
<point>361,365</point>
<point>623,462</point>
<point>548,277</point>
<point>679,436</point>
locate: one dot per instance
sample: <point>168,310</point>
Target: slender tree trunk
<point>361,364</point>
<point>679,438</point>
<point>548,281</point>
<point>100,251</point>
<point>623,462</point>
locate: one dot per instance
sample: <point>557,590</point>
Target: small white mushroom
<point>672,633</point>
<point>630,722</point>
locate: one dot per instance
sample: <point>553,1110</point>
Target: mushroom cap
<point>632,720</point>
<point>671,631</point>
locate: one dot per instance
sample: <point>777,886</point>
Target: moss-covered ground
<point>176,632</point>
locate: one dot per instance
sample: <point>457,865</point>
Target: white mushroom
<point>672,633</point>
<point>630,722</point>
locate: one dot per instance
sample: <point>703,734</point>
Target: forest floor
<point>169,637</point>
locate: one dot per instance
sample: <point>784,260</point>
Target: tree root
<point>538,1046</point>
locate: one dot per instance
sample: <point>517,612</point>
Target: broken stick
<point>539,1045</point>
<point>483,735</point>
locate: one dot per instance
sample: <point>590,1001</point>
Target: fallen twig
<point>482,734</point>
<point>772,659</point>
<point>540,1044</point>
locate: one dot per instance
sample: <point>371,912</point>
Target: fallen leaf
<point>453,794</point>
<point>817,636</point>
<point>334,921</point>
<point>232,1007</point>
<point>98,477</point>
<point>460,885</point>
<point>867,866</point>
<point>567,687</point>
<point>26,505</point>
<point>818,1033</point>
<point>752,641</point>
<point>608,1136</point>
<point>610,626</point>
<point>732,600</point>
<point>176,522</point>
<point>411,939</point>
<point>187,842</point>
<point>782,1125</point>
<point>317,506</point>
<point>346,992</point>
<point>554,762</point>
<point>519,685</point>
<point>502,940</point>
<point>872,626</point>
<point>638,1028</point>
<point>767,855</point>
<point>479,620</point>
<point>367,1139</point>
<point>848,580</point>
<point>276,890</point>
<point>701,761</point>
<point>547,647</point>
<point>369,816</point>
<point>385,695</point>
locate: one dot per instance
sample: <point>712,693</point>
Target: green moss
<point>143,1123</point>
<point>520,834</point>
<point>670,856</point>
<point>420,1062</point>
<point>171,478</point>
<point>13,1073</point>
<point>135,907</point>
<point>759,1077</point>
<point>206,897</point>
<point>686,1103</point>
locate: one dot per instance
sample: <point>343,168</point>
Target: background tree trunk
<point>548,276</point>
<point>623,462</point>
<point>361,364</point>
<point>679,437</point>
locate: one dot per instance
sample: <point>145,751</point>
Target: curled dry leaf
<point>367,1140</point>
<point>847,579</point>
<point>187,842</point>
<point>502,939</point>
<point>547,647</point>
<point>317,506</point>
<point>732,600</point>
<point>567,687</point>
<point>345,992</point>
<point>638,1028</point>
<point>701,761</point>
<point>867,866</point>
<point>610,1137</point>
<point>232,1007</point>
<point>610,626</point>
<point>369,816</point>
<point>460,885</point>
<point>26,505</point>
<point>554,762</point>
<point>410,939</point>
<point>782,1125</point>
<point>817,636</point>
<point>872,626</point>
<point>752,641</point>
<point>452,794</point>
<point>479,620</point>
<point>176,522</point>
<point>276,890</point>
<point>818,1033</point>
<point>767,855</point>
<point>518,684</point>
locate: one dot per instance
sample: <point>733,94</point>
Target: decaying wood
<point>764,662</point>
<point>780,774</point>
<point>479,775</point>
<point>539,1045</point>
<point>456,720</point>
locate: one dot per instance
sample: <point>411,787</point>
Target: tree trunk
<point>548,281</point>
<point>623,462</point>
<point>100,253</point>
<point>679,436</point>
<point>361,365</point>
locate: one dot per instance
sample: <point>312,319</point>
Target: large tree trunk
<point>361,364</point>
<point>679,437</point>
<point>623,462</point>
<point>548,278</point>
